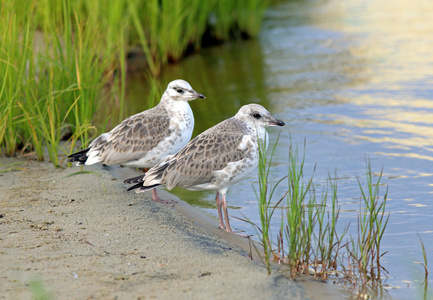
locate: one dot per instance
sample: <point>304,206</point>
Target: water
<point>353,78</point>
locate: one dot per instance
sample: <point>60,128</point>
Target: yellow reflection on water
<point>411,155</point>
<point>391,43</point>
<point>423,175</point>
<point>417,205</point>
<point>387,23</point>
<point>388,129</point>
<point>389,102</point>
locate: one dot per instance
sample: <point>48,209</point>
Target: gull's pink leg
<point>159,200</point>
<point>224,204</point>
<point>220,214</point>
<point>155,195</point>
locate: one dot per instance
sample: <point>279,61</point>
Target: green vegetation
<point>426,294</point>
<point>38,290</point>
<point>424,256</point>
<point>364,250</point>
<point>307,241</point>
<point>52,74</point>
<point>266,208</point>
<point>10,167</point>
<point>62,61</point>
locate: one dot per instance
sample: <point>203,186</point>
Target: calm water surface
<point>353,78</point>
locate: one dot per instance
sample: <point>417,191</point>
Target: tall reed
<point>166,29</point>
<point>297,230</point>
<point>16,43</point>
<point>364,250</point>
<point>265,195</point>
<point>51,84</point>
<point>310,230</point>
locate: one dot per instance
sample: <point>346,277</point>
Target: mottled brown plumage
<point>212,150</point>
<point>134,137</point>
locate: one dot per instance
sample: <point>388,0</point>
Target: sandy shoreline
<point>85,237</point>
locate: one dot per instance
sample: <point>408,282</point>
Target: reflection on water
<point>355,78</point>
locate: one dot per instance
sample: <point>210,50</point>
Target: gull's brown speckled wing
<point>134,137</point>
<point>208,152</point>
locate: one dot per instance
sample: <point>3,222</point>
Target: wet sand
<point>84,237</point>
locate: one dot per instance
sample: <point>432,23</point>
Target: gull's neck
<point>175,107</point>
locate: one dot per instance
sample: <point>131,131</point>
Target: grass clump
<point>266,207</point>
<point>238,18</point>
<point>307,241</point>
<point>51,76</point>
<point>166,29</point>
<point>363,252</point>
<point>307,228</point>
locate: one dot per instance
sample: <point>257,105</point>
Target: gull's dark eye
<point>257,115</point>
<point>180,91</point>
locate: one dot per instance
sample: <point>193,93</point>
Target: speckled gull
<point>145,139</point>
<point>215,159</point>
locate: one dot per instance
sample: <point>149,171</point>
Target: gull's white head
<point>180,90</point>
<point>257,115</point>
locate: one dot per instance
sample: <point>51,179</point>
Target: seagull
<point>215,159</point>
<point>145,139</point>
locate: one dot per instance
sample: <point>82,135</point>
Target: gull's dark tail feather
<point>142,188</point>
<point>138,179</point>
<point>80,157</point>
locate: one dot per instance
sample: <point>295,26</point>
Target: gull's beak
<point>276,122</point>
<point>192,95</point>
